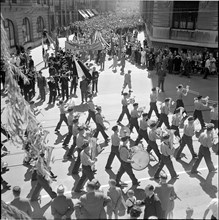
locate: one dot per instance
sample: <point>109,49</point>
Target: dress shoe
<point>78,191</point>
<point>213,171</point>
<point>108,168</point>
<point>136,184</point>
<point>194,156</point>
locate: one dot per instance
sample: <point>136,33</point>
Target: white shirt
<point>213,206</point>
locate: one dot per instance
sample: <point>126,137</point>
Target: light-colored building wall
<point>158,17</point>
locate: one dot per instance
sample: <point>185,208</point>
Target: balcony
<point>182,34</point>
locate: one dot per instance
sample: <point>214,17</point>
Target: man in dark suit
<point>91,204</point>
<point>152,203</point>
<point>166,194</point>
<point>20,203</point>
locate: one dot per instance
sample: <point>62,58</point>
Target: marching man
<point>127,81</point>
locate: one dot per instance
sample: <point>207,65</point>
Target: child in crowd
<point>131,201</point>
<point>189,213</point>
<point>115,194</point>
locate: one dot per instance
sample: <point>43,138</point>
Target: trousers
<point>100,129</point>
<point>125,110</point>
<point>142,134</point>
<point>134,123</point>
<point>165,160</point>
<point>77,162</point>
<point>42,183</point>
<point>114,152</point>
<point>87,173</point>
<point>126,167</point>
<point>153,145</point>
<point>69,135</point>
<point>153,107</point>
<point>163,119</point>
<point>203,152</point>
<point>91,114</point>
<point>62,118</point>
<point>186,140</point>
<point>198,115</point>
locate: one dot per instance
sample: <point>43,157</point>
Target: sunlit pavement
<point>193,190</point>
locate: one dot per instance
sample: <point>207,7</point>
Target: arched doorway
<point>40,26</point>
<point>26,30</point>
<point>9,27</point>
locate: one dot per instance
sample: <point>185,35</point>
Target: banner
<point>72,46</point>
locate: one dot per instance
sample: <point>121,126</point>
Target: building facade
<point>24,21</point>
<point>180,24</point>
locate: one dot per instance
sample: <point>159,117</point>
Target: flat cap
<point>125,93</point>
<point>177,110</point>
<point>167,100</point>
<point>199,97</point>
<point>210,126</point>
<point>115,128</point>
<point>135,104</point>
<point>153,124</point>
<point>125,138</point>
<point>190,118</point>
<point>16,189</point>
<point>60,189</point>
<point>98,108</point>
<point>153,89</point>
<point>163,176</point>
<point>81,128</point>
<point>165,136</point>
<point>91,185</point>
<point>179,86</point>
<point>145,114</point>
<point>70,109</point>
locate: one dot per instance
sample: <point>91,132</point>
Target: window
<point>14,1</point>
<point>44,2</point>
<point>40,26</point>
<point>38,1</point>
<point>185,14</point>
<point>9,27</point>
<point>26,30</point>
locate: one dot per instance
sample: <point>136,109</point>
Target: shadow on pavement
<point>49,107</point>
<point>206,184</point>
<point>60,137</point>
<point>111,174</point>
<point>38,211</point>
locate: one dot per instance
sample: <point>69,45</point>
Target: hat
<point>123,139</point>
<point>214,105</point>
<point>60,189</point>
<point>165,136</point>
<point>135,104</point>
<point>145,114</point>
<point>153,89</point>
<point>179,86</point>
<point>125,93</point>
<point>75,120</point>
<point>199,97</point>
<point>190,118</point>
<point>177,110</point>
<point>153,124</point>
<point>16,189</point>
<point>210,126</point>
<point>129,71</point>
<point>98,108</point>
<point>163,176</point>
<point>149,187</point>
<point>97,183</point>
<point>167,100</point>
<point>31,102</point>
<point>81,128</point>
<point>70,109</point>
<point>115,128</point>
<point>91,185</point>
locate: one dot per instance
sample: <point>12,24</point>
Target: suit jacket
<point>91,205</point>
<point>152,207</point>
<point>23,205</point>
<point>164,192</point>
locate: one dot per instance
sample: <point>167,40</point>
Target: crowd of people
<point>63,74</point>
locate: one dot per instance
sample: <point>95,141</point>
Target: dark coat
<point>152,207</point>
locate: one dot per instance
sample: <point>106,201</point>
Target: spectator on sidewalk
<point>91,204</point>
<point>62,207</point>
<point>21,203</point>
<point>41,83</point>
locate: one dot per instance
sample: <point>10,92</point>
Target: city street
<point>195,191</point>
